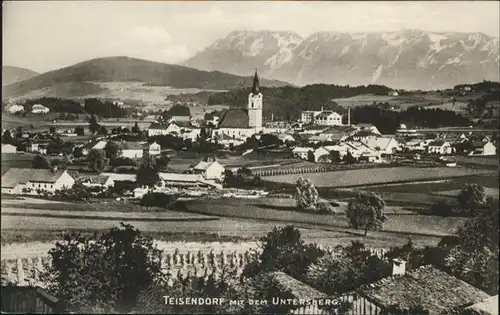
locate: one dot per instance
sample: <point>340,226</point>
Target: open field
<point>402,222</point>
<point>493,192</point>
<point>361,177</point>
<point>403,102</point>
<point>488,181</point>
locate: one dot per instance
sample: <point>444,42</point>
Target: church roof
<point>255,86</point>
<point>234,118</point>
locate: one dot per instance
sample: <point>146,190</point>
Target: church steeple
<point>255,86</point>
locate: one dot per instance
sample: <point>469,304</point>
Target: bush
<point>155,199</point>
<point>324,207</point>
<point>441,208</point>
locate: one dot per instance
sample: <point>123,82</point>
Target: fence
<point>29,300</point>
<point>328,168</point>
<point>178,264</point>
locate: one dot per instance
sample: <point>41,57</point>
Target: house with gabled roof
<point>428,287</point>
<point>162,129</point>
<point>210,169</point>
<point>32,181</point>
<point>482,148</point>
<point>385,145</point>
<point>439,147</point>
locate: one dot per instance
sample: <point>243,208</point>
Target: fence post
<point>20,272</point>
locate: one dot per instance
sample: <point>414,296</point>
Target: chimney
<point>349,116</point>
<point>398,267</point>
<point>321,108</point>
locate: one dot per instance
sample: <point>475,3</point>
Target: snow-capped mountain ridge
<point>405,59</point>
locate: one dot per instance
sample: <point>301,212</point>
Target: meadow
<point>402,102</point>
<point>360,177</point>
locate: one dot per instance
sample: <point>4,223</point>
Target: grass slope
<point>125,69</point>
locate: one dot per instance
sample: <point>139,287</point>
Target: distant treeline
<point>387,121</point>
<point>105,109</point>
<point>93,106</point>
<point>57,105</point>
<point>481,86</point>
<point>288,102</point>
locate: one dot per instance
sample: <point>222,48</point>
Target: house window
<point>44,185</point>
<point>51,186</point>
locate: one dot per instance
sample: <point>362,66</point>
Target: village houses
<point>33,181</point>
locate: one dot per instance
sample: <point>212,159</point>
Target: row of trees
<point>104,109</point>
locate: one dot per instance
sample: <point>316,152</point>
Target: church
<point>239,123</point>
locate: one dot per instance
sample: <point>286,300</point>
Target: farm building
<point>97,144</point>
<point>428,287</point>
<point>8,148</point>
<point>385,145</point>
<point>227,141</point>
<point>483,148</point>
<point>295,290</point>
<point>439,147</point>
<point>135,150</point>
<point>37,147</point>
<point>160,129</point>
<point>368,127</point>
<point>190,133</point>
<point>39,109</point>
<point>211,170</point>
<point>14,109</point>
<point>28,180</point>
<point>301,152</point>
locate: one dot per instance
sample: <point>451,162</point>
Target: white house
<point>9,148</point>
<point>31,181</point>
<point>301,152</point>
<point>190,133</point>
<point>210,170</point>
<point>415,146</point>
<point>112,177</point>
<point>159,129</point>
<point>481,148</point>
<point>39,109</point>
<point>319,152</point>
<point>439,147</point>
<point>228,141</point>
<point>308,116</point>
<point>328,118</point>
<point>135,150</point>
<point>385,145</point>
<point>38,147</point>
<point>14,109</point>
<point>93,145</point>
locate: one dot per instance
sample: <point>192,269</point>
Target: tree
<point>283,249</point>
<point>19,132</point>
<point>102,130</point>
<point>353,266</point>
<point>366,211</point>
<point>349,158</point>
<point>105,272</point>
<point>113,150</point>
<point>7,138</point>
<point>39,162</point>
<point>78,152</point>
<point>335,156</point>
<point>93,124</point>
<point>475,258</point>
<point>97,160</point>
<point>136,128</point>
<point>147,171</point>
<point>310,156</point>
<point>471,197</point>
<point>79,131</point>
<point>162,162</point>
<point>306,195</point>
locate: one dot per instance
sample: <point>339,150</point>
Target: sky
<point>48,35</point>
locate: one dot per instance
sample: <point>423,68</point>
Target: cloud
<point>151,35</point>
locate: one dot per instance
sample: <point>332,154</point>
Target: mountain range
<point>83,78</point>
<point>11,74</point>
<point>409,59</point>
